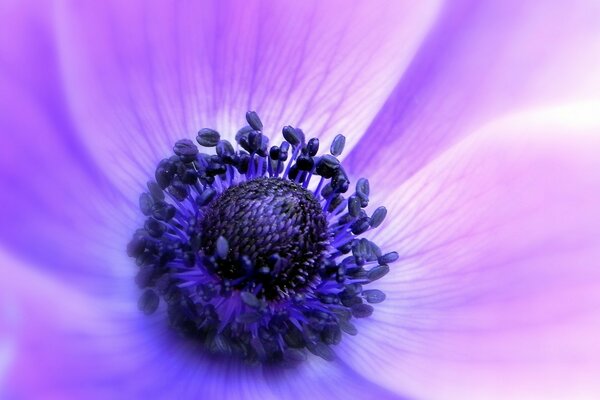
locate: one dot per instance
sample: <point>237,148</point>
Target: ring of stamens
<point>256,252</point>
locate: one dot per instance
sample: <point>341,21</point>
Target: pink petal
<point>61,343</point>
<point>56,206</point>
<point>141,76</point>
<point>497,290</point>
<point>483,59</point>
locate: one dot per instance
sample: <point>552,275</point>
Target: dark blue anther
<point>147,258</point>
<point>362,186</point>
<point>348,328</point>
<point>358,247</point>
<point>321,350</point>
<point>292,357</point>
<point>360,226</point>
<point>347,218</point>
<point>166,255</point>
<point>327,190</point>
<point>350,300</point>
<point>186,150</point>
<point>154,228</point>
<point>374,249</point>
<point>291,135</point>
<point>274,152</point>
<point>146,203</point>
<point>245,143</point>
<point>378,216</point>
<point>371,251</point>
<point>327,166</point>
<point>362,310</point>
<point>145,276</point>
<point>337,146</point>
<point>163,211</point>
<point>208,137</point>
<point>148,302</point>
<point>335,202</point>
<point>388,258</point>
<point>305,163</point>
<point>155,190</point>
<point>136,246</point>
<point>312,147</point>
<point>264,146</point>
<point>354,206</point>
<point>244,162</point>
<point>340,182</point>
<point>364,200</point>
<point>378,272</point>
<point>293,172</point>
<point>254,121</point>
<point>188,176</point>
<point>214,168</point>
<point>225,150</point>
<point>374,296</point>
<point>179,190</point>
<point>242,135</point>
<point>254,141</point>
<point>165,171</point>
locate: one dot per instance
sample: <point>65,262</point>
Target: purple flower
<point>476,123</point>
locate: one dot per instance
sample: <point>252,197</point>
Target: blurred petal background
<point>477,123</point>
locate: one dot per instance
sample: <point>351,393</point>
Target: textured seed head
<point>271,221</point>
<point>243,253</point>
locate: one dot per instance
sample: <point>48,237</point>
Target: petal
<point>67,344</point>
<point>483,59</point>
<point>54,203</point>
<point>498,285</point>
<point>141,76</point>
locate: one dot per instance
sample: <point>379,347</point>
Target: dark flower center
<point>256,252</point>
<point>278,225</point>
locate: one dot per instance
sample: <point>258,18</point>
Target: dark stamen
<point>256,253</point>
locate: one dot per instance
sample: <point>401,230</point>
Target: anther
<point>243,257</point>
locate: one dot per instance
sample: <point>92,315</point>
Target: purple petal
<point>482,59</point>
<point>498,285</point>
<point>68,344</point>
<point>141,76</point>
<point>54,203</point>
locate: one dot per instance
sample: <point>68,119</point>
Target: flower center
<point>256,252</point>
<point>276,225</point>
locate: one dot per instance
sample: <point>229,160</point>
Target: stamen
<point>244,258</point>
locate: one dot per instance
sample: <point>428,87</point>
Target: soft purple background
<point>477,122</point>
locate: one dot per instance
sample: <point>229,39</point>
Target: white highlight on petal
<point>7,339</point>
<point>497,289</point>
<point>140,77</point>
<point>482,60</point>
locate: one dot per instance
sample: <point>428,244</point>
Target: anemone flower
<point>476,124</point>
